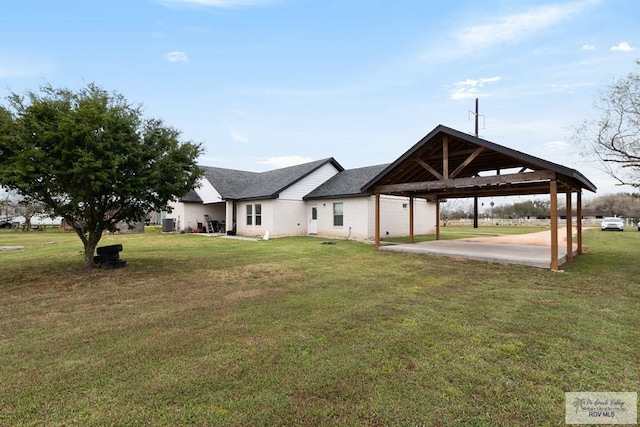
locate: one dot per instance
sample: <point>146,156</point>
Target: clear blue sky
<point>264,83</point>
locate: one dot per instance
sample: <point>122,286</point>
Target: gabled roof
<point>228,182</point>
<point>234,184</point>
<point>450,163</point>
<point>347,183</point>
<point>267,185</point>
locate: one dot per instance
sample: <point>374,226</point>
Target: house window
<point>258,214</point>
<point>338,215</point>
<point>249,214</point>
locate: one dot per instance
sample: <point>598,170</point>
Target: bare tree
<point>621,204</point>
<point>8,201</point>
<point>457,208</point>
<point>28,208</point>
<point>613,136</point>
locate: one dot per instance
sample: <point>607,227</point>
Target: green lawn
<point>293,332</point>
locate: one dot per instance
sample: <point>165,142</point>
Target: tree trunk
<point>90,248</point>
<point>90,239</point>
<point>27,223</point>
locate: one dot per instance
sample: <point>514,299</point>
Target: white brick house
<point>342,196</point>
<point>316,198</point>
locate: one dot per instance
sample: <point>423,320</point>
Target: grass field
<point>293,332</point>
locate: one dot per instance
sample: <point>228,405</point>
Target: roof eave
<point>336,196</point>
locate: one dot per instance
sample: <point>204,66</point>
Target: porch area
<point>530,249</point>
<point>449,164</point>
<point>501,253</point>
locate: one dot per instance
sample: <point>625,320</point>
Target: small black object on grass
<point>328,243</point>
<point>109,257</point>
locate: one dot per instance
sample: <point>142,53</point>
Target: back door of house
<point>313,220</point>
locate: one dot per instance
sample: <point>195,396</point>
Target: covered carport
<point>448,164</point>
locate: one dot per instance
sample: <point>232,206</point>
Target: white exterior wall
<point>279,218</point>
<point>229,215</point>
<point>290,218</point>
<point>194,213</point>
<point>286,215</point>
<point>359,217</point>
<point>216,212</point>
<point>188,215</point>
<point>38,220</point>
<point>177,213</point>
<point>355,218</point>
<point>424,216</point>
<point>394,216</point>
<point>254,230</point>
<point>309,183</point>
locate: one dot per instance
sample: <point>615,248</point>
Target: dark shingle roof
<point>191,197</point>
<point>270,184</point>
<point>235,184</point>
<point>228,182</point>
<point>347,183</point>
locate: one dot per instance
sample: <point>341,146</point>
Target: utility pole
<point>477,114</point>
<point>475,199</point>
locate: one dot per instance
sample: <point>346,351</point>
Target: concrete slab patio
<point>533,250</point>
<point>532,256</point>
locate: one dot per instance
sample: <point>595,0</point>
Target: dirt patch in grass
<point>542,238</point>
<point>254,272</point>
<point>241,295</point>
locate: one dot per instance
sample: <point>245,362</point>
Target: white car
<point>612,223</point>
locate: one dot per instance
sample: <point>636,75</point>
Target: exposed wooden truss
<point>450,164</point>
<point>451,167</point>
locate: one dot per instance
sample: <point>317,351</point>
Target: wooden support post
<point>553,190</point>
<point>579,220</point>
<point>569,228</point>
<point>437,218</point>
<point>377,221</point>
<point>475,212</point>
<point>411,223</point>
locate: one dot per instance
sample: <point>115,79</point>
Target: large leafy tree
<point>89,156</point>
<point>612,137</point>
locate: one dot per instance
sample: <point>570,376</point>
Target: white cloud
<point>623,47</point>
<point>285,161</point>
<point>239,137</point>
<point>515,27</point>
<point>555,145</point>
<point>588,47</point>
<point>470,88</point>
<point>219,3</point>
<point>176,57</point>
